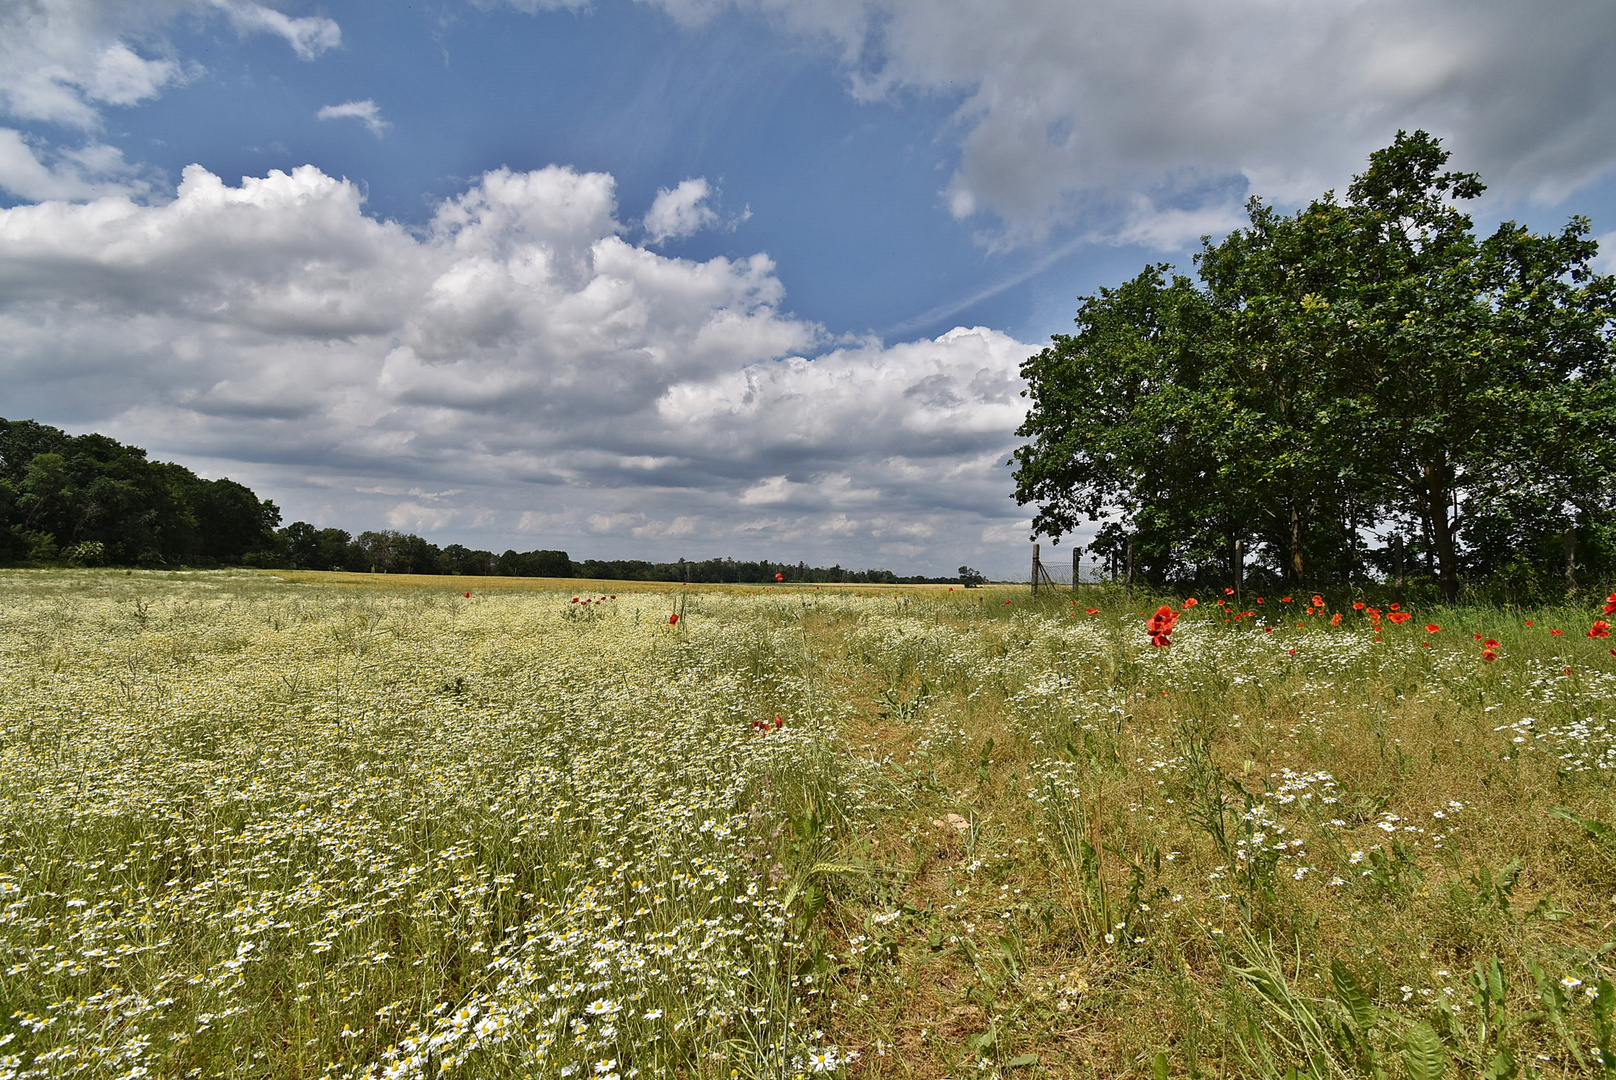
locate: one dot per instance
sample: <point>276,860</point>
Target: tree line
<point>1362,389</point>
<point>89,500</point>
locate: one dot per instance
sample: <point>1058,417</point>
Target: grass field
<point>352,825</point>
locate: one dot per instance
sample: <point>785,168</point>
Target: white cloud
<point>63,61</point>
<point>309,36</point>
<point>366,112</point>
<point>1064,110</point>
<point>517,373</point>
<point>679,212</point>
<point>88,172</point>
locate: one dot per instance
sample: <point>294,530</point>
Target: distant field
<point>396,582</point>
<point>323,825</point>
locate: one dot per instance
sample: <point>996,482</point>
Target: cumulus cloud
<point>1064,110</point>
<point>679,212</point>
<point>516,372</point>
<point>366,112</point>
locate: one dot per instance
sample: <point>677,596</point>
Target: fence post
<point>1035,569</point>
<point>1077,565</point>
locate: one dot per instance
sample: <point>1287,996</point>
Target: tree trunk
<point>1296,545</point>
<point>1443,528</point>
<point>1571,560</point>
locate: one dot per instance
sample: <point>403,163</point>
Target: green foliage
<point>93,501</point>
<point>1371,363</point>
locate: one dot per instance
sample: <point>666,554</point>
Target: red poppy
<point>1268,629</point>
<point>1318,601</point>
<point>1357,605</point>
<point>1427,644</point>
<point>1490,643</point>
<point>1190,601</point>
<point>779,577</point>
<point>1530,623</point>
<point>1091,611</point>
<point>1488,655</point>
<point>1568,673</point>
<point>1610,605</point>
<point>1228,592</point>
<point>1006,602</point>
<point>1557,632</point>
<point>1431,628</point>
<point>1600,628</point>
<point>1259,600</point>
<point>1284,599</point>
<point>1293,652</point>
<point>1335,620</point>
<point>1475,637</point>
<point>1396,606</point>
<point>1400,617</point>
<point>778,723</point>
<point>674,618</point>
<point>468,596</point>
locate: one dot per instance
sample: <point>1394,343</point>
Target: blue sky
<point>683,277</point>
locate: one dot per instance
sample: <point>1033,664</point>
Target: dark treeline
<point>88,500</point>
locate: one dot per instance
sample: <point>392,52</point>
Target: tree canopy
<point>1345,387</point>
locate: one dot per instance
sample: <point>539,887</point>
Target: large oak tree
<point>1357,363</point>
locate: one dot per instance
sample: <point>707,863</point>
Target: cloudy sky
<point>685,277</point>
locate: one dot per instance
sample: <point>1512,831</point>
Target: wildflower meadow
<point>316,825</point>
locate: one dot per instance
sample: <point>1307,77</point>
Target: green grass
<point>252,826</point>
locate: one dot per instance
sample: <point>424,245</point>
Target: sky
<point>687,278</point>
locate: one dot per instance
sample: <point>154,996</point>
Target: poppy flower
<point>468,596</point>
<point>1396,606</point>
<point>1557,632</point>
<point>1529,622</point>
<point>1568,673</point>
<point>1357,605</point>
<point>1490,643</point>
<point>1610,605</point>
<point>778,723</point>
<point>1190,601</point>
<point>1228,592</point>
<point>1600,628</point>
<point>1431,628</point>
<point>1427,644</point>
<point>1259,600</point>
<point>673,619</point>
<point>1091,611</point>
<point>1335,620</point>
<point>1284,599</point>
<point>1318,601</point>
<point>1293,652</point>
<point>1400,617</point>
<point>1488,655</point>
<point>779,577</point>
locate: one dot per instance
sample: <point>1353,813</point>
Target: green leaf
<point>1021,1060</point>
<point>1423,1055</point>
<point>1158,1066</point>
<point>1352,995</point>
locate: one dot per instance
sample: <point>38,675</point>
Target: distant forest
<point>88,500</point>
